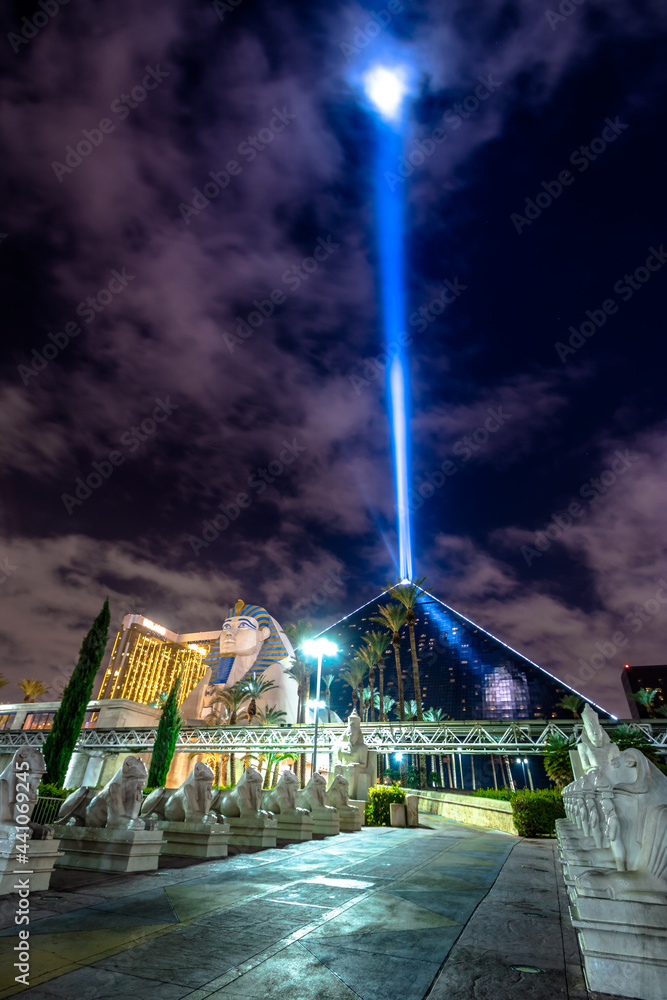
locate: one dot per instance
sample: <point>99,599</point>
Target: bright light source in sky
<point>316,647</point>
<point>386,89</point>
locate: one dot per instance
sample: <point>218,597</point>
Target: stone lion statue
<point>18,794</point>
<point>191,803</point>
<point>339,793</point>
<point>312,796</point>
<point>244,800</point>
<point>282,798</point>
<point>116,806</point>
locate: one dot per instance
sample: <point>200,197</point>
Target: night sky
<point>183,352</point>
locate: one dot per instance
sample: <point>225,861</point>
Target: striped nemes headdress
<point>273,648</point>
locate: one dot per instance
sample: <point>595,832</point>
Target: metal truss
<point>484,737</point>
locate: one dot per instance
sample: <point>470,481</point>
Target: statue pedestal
<point>42,855</point>
<point>195,840</point>
<point>349,818</point>
<point>325,821</point>
<point>256,833</point>
<point>294,828</point>
<point>623,945</point>
<point>109,850</point>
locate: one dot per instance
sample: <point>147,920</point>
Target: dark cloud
<point>249,310</point>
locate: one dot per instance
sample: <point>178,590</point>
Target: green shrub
<point>557,761</point>
<point>535,813</point>
<point>493,793</point>
<point>51,791</point>
<point>376,812</point>
<point>627,736</point>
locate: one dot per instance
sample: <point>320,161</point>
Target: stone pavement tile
<point>270,918</point>
<point>99,984</point>
<point>194,902</point>
<point>56,954</point>
<point>455,905</point>
<point>474,875</point>
<point>431,945</point>
<point>382,911</point>
<point>147,909</point>
<point>292,974</point>
<point>473,974</point>
<point>375,976</point>
<point>188,957</point>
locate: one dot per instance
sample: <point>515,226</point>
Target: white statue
<point>595,748</point>
<point>116,806</point>
<point>355,760</point>
<point>244,800</point>
<point>18,795</point>
<point>282,799</point>
<point>312,796</point>
<point>191,803</point>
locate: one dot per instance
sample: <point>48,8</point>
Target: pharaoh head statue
<point>249,640</point>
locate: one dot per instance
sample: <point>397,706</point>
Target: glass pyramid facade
<point>464,670</point>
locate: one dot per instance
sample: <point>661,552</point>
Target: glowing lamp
<point>386,89</point>
<point>319,648</point>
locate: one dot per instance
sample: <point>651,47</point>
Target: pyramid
<point>466,671</point>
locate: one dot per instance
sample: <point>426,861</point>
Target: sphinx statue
<point>281,800</point>
<point>18,795</point>
<point>355,761</point>
<point>312,796</point>
<point>190,803</point>
<point>243,801</point>
<point>116,806</point>
<point>337,795</point>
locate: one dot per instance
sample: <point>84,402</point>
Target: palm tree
<point>571,703</point>
<point>32,689</point>
<point>393,617</point>
<point>353,675</point>
<point>435,715</point>
<point>378,643</point>
<point>366,702</point>
<point>645,697</point>
<point>255,686</point>
<point>386,704</point>
<point>271,716</point>
<point>3,680</point>
<point>367,657</point>
<point>300,670</point>
<point>327,680</point>
<point>407,594</point>
<point>411,709</point>
<point>232,700</point>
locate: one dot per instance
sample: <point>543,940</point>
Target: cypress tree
<point>168,729</point>
<point>59,744</point>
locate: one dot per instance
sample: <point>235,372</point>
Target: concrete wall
<point>492,813</point>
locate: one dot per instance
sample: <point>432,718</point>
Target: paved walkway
<point>372,915</point>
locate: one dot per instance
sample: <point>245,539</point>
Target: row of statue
<point>122,805</point>
<point>614,840</point>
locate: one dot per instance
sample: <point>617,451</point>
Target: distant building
<point>633,678</point>
<point>147,658</point>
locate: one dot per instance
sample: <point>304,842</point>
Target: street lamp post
<point>318,648</point>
